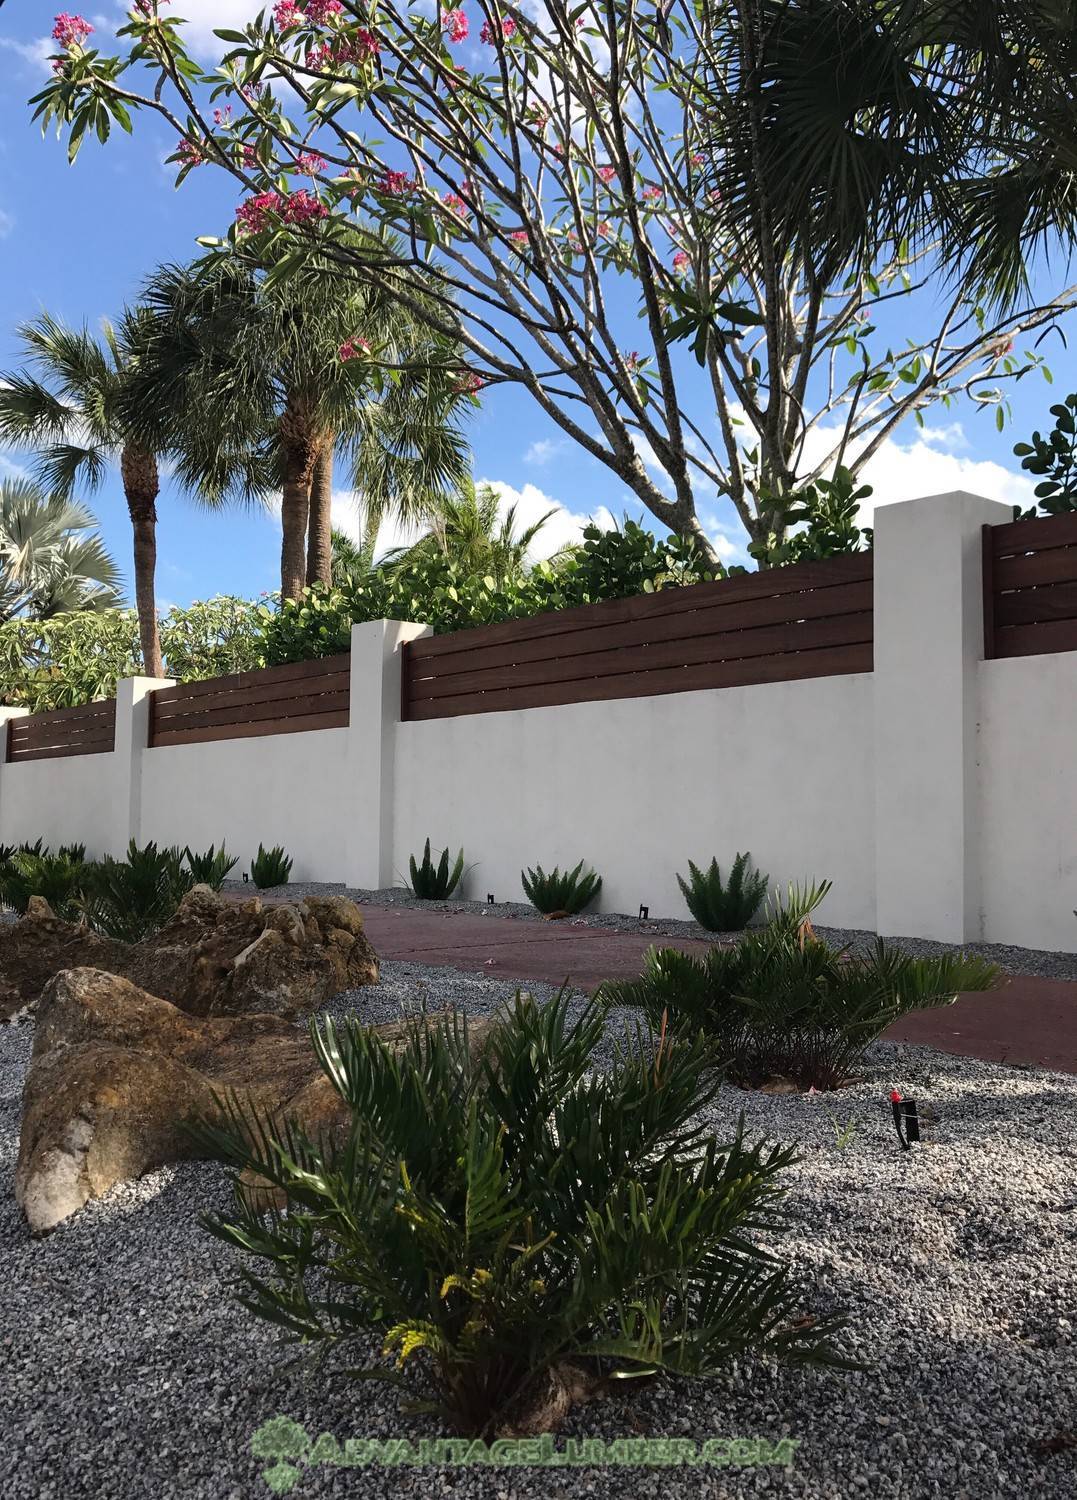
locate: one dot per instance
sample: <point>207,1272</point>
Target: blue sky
<point>79,241</point>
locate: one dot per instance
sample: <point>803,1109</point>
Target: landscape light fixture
<point>489,898</point>
<point>644,913</point>
<point>246,877</point>
<point>912,1124</point>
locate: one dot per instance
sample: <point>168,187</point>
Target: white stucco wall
<point>67,800</point>
<point>1028,800</point>
<point>276,789</point>
<point>640,786</point>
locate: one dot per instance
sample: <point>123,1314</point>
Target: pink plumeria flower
<point>604,230</point>
<point>455,25</point>
<point>286,14</point>
<point>310,161</point>
<point>489,36</point>
<point>468,382</point>
<point>395,184</point>
<point>320,11</point>
<point>607,174</point>
<point>681,261</point>
<point>520,237</point>
<point>456,205</point>
<point>190,153</point>
<point>70,31</point>
<point>353,348</point>
<point>252,215</point>
<point>651,193</point>
<point>303,208</point>
<point>223,117</point>
<point>633,359</point>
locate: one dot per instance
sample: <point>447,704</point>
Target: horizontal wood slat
<point>1030,587</point>
<point>300,696</point>
<point>809,620</point>
<point>89,729</point>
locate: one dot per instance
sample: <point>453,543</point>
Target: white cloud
<point>563,529</point>
<point>204,17</point>
<point>36,53</point>
<point>544,449</point>
<point>907,471</point>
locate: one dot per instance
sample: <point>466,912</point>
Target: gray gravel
<point>1012,959</point>
<point>127,1372</point>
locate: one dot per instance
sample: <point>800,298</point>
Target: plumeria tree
<point>689,230</point>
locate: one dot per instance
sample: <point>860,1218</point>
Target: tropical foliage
<point>435,882</point>
<point>33,870</point>
<point>211,868</point>
<point>566,892</point>
<point>52,560</point>
<point>724,907</point>
<point>75,658</point>
<point>773,211</point>
<point>496,1213</point>
<point>783,1006</point>
<point>1053,461</point>
<point>130,899</point>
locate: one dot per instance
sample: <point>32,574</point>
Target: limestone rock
<point>115,1072</point>
<point>215,957</point>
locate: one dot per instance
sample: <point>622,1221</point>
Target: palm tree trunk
<point>140,486</point>
<point>299,450</point>
<point>319,524</point>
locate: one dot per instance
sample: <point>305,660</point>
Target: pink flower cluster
<point>310,161</point>
<point>520,237</point>
<point>145,7</point>
<point>454,24</point>
<point>319,11</point>
<point>468,382</point>
<point>190,153</point>
<point>488,35</point>
<point>681,261</point>
<point>607,173</point>
<point>70,31</point>
<point>651,192</point>
<point>456,204</point>
<point>250,155</point>
<point>633,359</point>
<point>395,184</point>
<point>223,117</point>
<point>344,50</point>
<point>303,208</point>
<point>286,14</point>
<point>353,349</point>
<point>253,214</point>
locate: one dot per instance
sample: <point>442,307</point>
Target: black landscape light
<point>644,913</point>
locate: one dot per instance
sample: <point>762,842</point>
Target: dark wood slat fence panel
<point>1030,587</point>
<point>89,729</point>
<point>291,699</point>
<point>808,620</point>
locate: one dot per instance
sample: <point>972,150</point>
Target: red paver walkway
<point>1026,1020</point>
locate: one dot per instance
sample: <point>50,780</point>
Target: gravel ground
<point>128,1372</point>
<point>1012,959</point>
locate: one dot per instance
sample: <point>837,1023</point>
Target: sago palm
<point>68,404</point>
<point>52,559</point>
<point>469,530</point>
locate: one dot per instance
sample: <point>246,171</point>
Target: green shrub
<point>211,868</point>
<point>74,852</point>
<point>569,891</point>
<point>59,878</point>
<point>270,867</point>
<point>432,882</point>
<point>133,898</point>
<point>780,1003</point>
<point>492,1213</point>
<point>727,908</point>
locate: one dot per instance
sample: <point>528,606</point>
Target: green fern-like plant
<point>781,1003</point>
<point>432,882</point>
<point>59,878</point>
<point>561,891</point>
<point>211,868</point>
<point>492,1212</point>
<point>270,867</point>
<point>724,908</point>
<point>132,898</point>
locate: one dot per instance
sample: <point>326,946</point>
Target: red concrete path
<point>1026,1020</point>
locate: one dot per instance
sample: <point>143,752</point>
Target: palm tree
<point>52,559</point>
<point>69,405</point>
<point>259,382</point>
<point>470,533</point>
